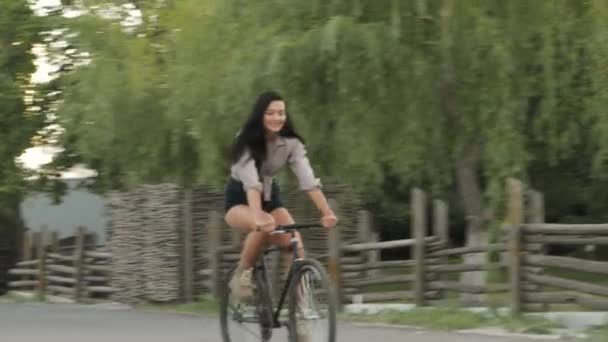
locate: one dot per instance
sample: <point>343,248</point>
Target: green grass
<point>599,334</point>
<point>430,318</point>
<point>12,297</point>
<point>456,319</point>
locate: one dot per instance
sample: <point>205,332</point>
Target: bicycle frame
<point>293,243</point>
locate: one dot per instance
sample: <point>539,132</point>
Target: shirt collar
<point>280,141</point>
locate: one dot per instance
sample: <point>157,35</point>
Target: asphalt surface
<point>33,322</point>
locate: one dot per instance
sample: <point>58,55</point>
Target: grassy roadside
<point>430,318</point>
<point>203,305</point>
<point>457,319</point>
<point>599,335</point>
<point>12,297</point>
<point>446,318</point>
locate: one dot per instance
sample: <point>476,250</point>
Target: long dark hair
<point>251,135</point>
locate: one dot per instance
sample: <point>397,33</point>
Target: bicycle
<point>311,299</point>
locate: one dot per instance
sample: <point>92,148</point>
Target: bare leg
<point>282,217</point>
<point>241,217</point>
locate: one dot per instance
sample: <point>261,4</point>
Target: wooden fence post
<point>41,252</point>
<point>418,251</point>
<point>537,211</point>
<point>187,247</point>
<point>54,243</point>
<point>214,233</point>
<point>374,254</point>
<point>93,240</point>
<point>26,252</point>
<point>440,221</point>
<point>79,263</point>
<point>334,254</point>
<point>364,232</point>
<point>515,219</point>
<point>536,215</point>
<point>441,230</point>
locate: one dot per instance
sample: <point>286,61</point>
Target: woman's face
<point>274,117</point>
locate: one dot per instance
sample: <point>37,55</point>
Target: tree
<point>20,114</point>
<point>449,95</point>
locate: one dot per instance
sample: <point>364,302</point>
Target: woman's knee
<point>240,217</point>
<point>282,216</point>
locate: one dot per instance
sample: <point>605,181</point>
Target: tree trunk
<point>467,166</point>
<point>11,229</point>
<point>467,162</point>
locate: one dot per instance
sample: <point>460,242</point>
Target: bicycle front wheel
<point>312,305</point>
<point>243,321</point>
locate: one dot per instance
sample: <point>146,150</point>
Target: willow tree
<point>390,94</point>
<point>18,121</point>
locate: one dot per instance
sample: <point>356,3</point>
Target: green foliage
<point>19,123</point>
<point>20,111</point>
<point>389,94</point>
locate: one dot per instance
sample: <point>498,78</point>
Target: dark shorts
<point>234,194</point>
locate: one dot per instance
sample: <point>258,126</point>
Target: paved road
<point>34,322</point>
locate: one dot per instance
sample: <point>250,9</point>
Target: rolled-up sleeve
<point>245,171</point>
<point>300,165</point>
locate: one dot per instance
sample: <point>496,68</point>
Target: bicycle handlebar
<point>292,227</point>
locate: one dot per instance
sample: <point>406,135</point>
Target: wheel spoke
<point>313,319</point>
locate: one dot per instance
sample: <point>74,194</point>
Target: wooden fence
<point>358,272</point>
<point>537,287</point>
<point>80,271</point>
<point>538,280</point>
<point>431,274</point>
<point>6,261</point>
<point>434,269</point>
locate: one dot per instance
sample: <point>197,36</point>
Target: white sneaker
<point>241,285</point>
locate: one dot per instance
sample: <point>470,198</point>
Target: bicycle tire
<point>264,303</point>
<point>304,267</point>
<point>224,304</point>
<point>262,309</point>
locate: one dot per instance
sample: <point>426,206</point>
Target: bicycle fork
<point>277,324</point>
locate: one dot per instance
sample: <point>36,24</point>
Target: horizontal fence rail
<point>527,277</point>
<point>82,275</point>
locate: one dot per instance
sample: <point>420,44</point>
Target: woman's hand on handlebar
<point>329,220</point>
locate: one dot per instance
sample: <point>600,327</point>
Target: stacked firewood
<point>146,237</point>
<point>204,199</point>
<point>126,245</point>
<point>161,242</point>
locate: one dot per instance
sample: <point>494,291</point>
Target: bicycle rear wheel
<point>312,305</point>
<point>244,321</point>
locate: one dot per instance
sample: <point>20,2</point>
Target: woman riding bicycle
<point>266,142</point>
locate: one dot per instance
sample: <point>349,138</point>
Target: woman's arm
<point>320,201</point>
<point>328,218</point>
<point>246,172</point>
<point>299,163</point>
<point>254,199</point>
<point>262,219</point>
